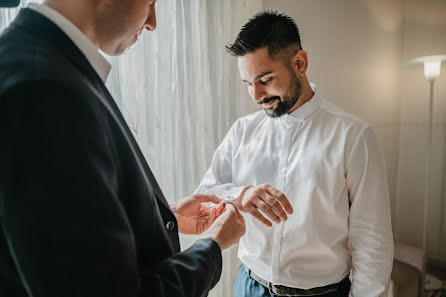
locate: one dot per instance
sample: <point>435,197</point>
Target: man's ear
<point>300,62</point>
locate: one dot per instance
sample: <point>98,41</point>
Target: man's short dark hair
<point>270,29</point>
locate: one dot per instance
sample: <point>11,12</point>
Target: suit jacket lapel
<point>154,184</point>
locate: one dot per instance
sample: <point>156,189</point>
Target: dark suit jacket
<point>80,211</point>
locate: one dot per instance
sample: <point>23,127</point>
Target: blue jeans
<point>244,286</point>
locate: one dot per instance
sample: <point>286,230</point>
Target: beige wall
<point>424,34</point>
<point>354,50</point>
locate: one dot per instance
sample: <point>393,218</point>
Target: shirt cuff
<point>233,193</point>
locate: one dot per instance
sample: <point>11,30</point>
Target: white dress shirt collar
<point>91,52</point>
<point>307,109</point>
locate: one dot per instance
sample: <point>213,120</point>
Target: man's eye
<point>265,82</point>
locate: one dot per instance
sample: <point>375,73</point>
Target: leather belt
<point>288,291</point>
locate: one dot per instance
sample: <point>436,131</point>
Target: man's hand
<point>228,227</point>
<point>192,216</point>
<point>266,198</point>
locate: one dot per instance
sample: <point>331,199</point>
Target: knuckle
<point>264,207</point>
<point>251,198</point>
<point>275,204</point>
<point>258,191</point>
<point>245,204</point>
<point>254,211</point>
<point>257,214</point>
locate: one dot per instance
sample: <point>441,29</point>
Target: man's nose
<point>258,93</point>
<point>150,24</point>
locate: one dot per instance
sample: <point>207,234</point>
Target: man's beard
<point>287,101</point>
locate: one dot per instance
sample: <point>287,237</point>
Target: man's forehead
<point>259,55</point>
<point>254,65</point>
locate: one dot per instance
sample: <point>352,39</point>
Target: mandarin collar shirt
<point>90,51</point>
<point>329,165</point>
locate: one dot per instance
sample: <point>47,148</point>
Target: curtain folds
<point>180,92</point>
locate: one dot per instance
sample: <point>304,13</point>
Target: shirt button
<point>170,225</point>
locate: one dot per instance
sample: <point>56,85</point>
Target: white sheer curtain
<point>180,92</point>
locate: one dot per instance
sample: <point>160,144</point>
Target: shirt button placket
<point>277,242</point>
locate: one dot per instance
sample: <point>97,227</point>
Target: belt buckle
<point>271,290</point>
<point>274,291</point>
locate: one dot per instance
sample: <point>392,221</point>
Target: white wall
<point>354,50</point>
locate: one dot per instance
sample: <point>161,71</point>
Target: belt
<point>288,291</point>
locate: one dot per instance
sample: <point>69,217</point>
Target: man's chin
<point>120,49</point>
<point>114,52</point>
<point>271,113</point>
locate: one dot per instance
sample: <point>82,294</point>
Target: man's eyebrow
<point>262,75</point>
<point>259,76</point>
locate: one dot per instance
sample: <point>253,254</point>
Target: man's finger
<point>275,205</point>
<point>255,213</point>
<point>281,198</point>
<point>207,198</point>
<point>266,209</point>
<point>220,208</point>
<point>233,205</point>
<point>214,214</point>
<point>240,218</point>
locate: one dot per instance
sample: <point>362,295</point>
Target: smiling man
<point>81,213</point>
<point>305,164</point>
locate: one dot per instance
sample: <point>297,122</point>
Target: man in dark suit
<point>80,211</point>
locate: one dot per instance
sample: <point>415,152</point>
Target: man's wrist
<point>236,195</point>
<point>214,238</point>
<point>242,193</point>
<point>238,200</point>
<point>174,207</point>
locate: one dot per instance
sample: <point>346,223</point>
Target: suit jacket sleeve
<point>64,222</point>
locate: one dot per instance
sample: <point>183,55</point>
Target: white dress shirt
<point>90,51</point>
<point>329,165</point>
